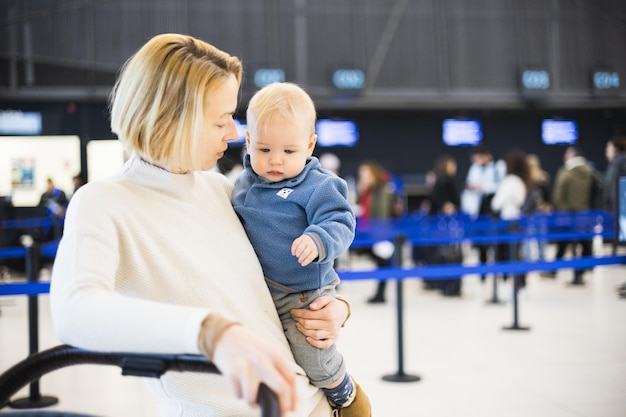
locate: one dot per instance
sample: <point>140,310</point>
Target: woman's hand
<point>320,323</point>
<point>247,360</point>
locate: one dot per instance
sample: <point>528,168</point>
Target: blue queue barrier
<point>432,231</point>
<point>40,226</point>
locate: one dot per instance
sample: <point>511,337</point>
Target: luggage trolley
<point>132,364</point>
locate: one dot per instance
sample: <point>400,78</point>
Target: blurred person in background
<point>571,194</point>
<point>616,168</point>
<point>537,202</point>
<point>375,198</point>
<point>482,181</point>
<point>616,158</point>
<point>54,199</point>
<point>508,201</point>
<point>78,181</point>
<point>445,199</point>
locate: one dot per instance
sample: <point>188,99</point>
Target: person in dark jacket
<point>571,192</point>
<point>54,199</point>
<point>616,167</point>
<point>445,200</point>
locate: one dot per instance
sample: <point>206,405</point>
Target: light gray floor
<point>571,363</point>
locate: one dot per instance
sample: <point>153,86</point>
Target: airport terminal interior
<point>446,97</point>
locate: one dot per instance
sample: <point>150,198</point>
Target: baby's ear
<point>312,142</point>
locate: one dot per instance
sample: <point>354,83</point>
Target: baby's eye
<point>289,151</point>
<point>264,150</point>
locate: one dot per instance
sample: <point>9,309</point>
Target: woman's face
<point>218,119</point>
<point>366,177</point>
<point>451,168</point>
<point>609,151</point>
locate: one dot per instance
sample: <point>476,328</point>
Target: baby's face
<point>279,149</point>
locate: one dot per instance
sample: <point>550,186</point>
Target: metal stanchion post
<point>513,247</point>
<point>492,252</point>
<point>400,375</point>
<point>494,277</point>
<point>35,399</point>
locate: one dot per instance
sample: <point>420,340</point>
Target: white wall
<point>30,160</point>
<point>104,158</point>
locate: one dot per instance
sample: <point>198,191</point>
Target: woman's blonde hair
<point>281,101</point>
<point>159,100</point>
<point>537,174</point>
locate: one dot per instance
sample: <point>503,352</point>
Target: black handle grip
<point>136,364</point>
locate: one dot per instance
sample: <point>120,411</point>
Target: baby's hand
<point>304,249</point>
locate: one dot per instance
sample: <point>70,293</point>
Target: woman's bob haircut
<point>159,100</point>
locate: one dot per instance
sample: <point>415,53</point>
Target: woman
<point>445,196</point>
<point>508,201</point>
<point>445,199</point>
<point>537,202</point>
<point>156,260</point>
<point>376,200</point>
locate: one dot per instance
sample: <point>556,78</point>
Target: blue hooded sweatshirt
<point>275,214</point>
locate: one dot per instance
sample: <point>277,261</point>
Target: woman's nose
<point>232,133</point>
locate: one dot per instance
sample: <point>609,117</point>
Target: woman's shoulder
<point>218,180</point>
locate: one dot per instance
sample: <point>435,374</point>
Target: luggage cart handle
<point>149,365</point>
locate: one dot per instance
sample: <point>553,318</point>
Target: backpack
<point>534,202</point>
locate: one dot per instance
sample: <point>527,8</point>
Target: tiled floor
<point>571,363</point>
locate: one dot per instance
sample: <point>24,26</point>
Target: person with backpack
<point>572,188</point>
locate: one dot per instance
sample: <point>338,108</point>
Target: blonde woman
<point>156,260</point>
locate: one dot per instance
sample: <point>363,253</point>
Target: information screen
<point>559,132</point>
<point>331,132</point>
<point>20,123</point>
<point>462,132</point>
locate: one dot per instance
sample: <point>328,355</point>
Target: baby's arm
<point>304,249</point>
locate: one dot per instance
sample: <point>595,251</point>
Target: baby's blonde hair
<point>158,102</point>
<point>281,101</point>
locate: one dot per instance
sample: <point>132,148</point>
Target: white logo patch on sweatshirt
<point>284,192</point>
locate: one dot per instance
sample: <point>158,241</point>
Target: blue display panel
<point>559,132</point>
<point>331,132</point>
<point>462,132</point>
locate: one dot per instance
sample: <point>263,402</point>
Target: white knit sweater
<point>144,258</point>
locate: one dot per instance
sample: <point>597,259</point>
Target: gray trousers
<point>322,366</point>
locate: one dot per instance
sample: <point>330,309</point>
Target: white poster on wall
<point>26,162</point>
<point>23,173</point>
